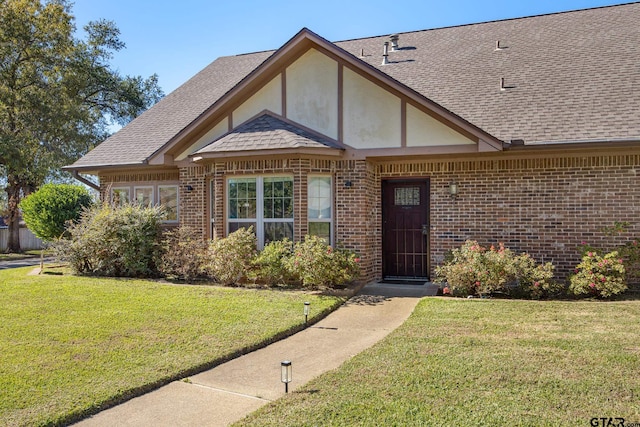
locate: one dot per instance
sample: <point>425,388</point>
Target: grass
<point>483,362</point>
<point>72,345</point>
<point>24,255</point>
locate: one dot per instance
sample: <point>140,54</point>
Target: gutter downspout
<point>85,181</point>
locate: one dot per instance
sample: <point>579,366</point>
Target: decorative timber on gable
<point>317,86</point>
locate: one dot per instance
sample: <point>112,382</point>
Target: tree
<point>49,210</point>
<point>58,94</point>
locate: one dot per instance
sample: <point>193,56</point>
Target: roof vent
<point>385,54</point>
<point>502,86</point>
<point>500,46</point>
<point>394,42</point>
<point>361,53</point>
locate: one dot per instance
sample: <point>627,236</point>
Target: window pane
<point>169,199</point>
<point>288,208</point>
<point>277,231</point>
<point>319,204</point>
<point>278,198</point>
<point>233,190</point>
<point>278,189</point>
<point>120,196</point>
<point>321,229</point>
<point>268,208</point>
<point>409,196</point>
<point>288,188</point>
<point>235,226</point>
<point>242,198</point>
<point>143,196</point>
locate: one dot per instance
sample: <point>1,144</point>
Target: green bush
<point>628,249</point>
<point>48,211</point>
<point>475,270</point>
<point>600,276</point>
<point>114,241</point>
<point>271,265</point>
<point>318,265</point>
<point>182,253</point>
<point>228,260</point>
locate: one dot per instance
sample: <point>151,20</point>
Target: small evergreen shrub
<point>114,241</point>
<point>600,276</point>
<point>318,265</point>
<point>270,263</point>
<point>475,270</point>
<point>182,252</point>
<point>228,260</point>
<point>48,211</point>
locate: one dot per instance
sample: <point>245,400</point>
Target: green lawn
<point>70,345</point>
<point>483,362</point>
<point>24,255</point>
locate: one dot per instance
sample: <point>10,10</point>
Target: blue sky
<point>177,38</point>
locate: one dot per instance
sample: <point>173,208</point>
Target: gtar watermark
<point>611,422</point>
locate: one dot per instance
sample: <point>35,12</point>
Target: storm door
<point>405,229</point>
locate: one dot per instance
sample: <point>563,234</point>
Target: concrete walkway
<point>230,391</point>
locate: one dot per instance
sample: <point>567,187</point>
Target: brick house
<point>523,131</point>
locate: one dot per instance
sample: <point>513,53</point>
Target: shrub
<point>114,241</point>
<point>318,265</point>
<point>182,253</point>
<point>601,276</point>
<point>48,211</point>
<point>534,280</point>
<point>629,250</point>
<point>271,263</point>
<point>475,270</point>
<point>228,260</point>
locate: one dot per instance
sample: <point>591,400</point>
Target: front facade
<point>489,132</point>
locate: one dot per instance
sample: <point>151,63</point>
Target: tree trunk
<point>13,200</point>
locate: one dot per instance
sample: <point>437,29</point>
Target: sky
<point>177,38</point>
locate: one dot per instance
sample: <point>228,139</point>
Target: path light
<point>306,311</point>
<point>285,374</point>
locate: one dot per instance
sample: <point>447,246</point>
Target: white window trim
<point>177,188</point>
<point>259,220</point>
<point>331,220</point>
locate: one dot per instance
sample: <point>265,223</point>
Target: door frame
<point>383,209</point>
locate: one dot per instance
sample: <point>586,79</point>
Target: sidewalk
<point>230,391</point>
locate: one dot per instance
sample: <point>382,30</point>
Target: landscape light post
<point>306,311</point>
<point>285,374</point>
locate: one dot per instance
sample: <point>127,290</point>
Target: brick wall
<point>545,206</point>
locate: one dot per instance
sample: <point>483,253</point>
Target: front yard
<point>483,362</point>
<point>70,345</point>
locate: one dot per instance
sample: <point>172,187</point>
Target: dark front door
<point>405,228</point>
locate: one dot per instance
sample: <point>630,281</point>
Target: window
<point>143,196</point>
<point>168,197</point>
<point>266,203</point>
<point>319,207</point>
<point>120,196</point>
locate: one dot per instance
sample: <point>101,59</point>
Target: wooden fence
<point>27,240</point>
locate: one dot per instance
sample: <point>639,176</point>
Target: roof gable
<point>309,72</point>
<point>267,133</point>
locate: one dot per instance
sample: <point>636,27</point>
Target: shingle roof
<point>267,132</point>
<point>568,76</point>
<point>571,76</point>
<point>137,141</point>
